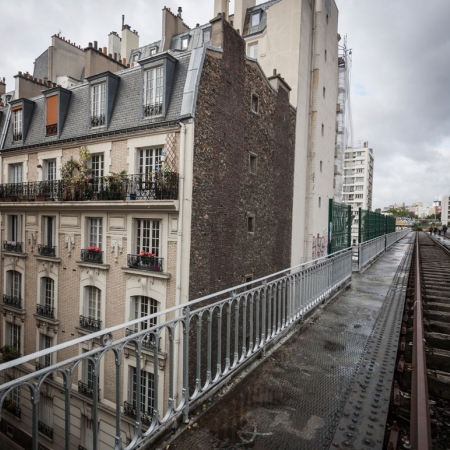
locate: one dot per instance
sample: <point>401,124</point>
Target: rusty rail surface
<point>420,412</point>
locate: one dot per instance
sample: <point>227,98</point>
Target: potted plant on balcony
<point>77,177</point>
<point>9,353</point>
<point>43,192</point>
<point>116,186</point>
<point>146,257</point>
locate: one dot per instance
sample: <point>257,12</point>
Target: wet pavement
<point>296,396</point>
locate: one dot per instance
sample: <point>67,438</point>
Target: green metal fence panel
<point>339,226</point>
<point>373,225</point>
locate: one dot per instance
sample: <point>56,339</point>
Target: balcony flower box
<point>92,254</point>
<point>9,353</point>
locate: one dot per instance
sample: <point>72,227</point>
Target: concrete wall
<point>64,58</point>
<point>98,62</point>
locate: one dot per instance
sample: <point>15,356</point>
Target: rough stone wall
<point>225,193</point>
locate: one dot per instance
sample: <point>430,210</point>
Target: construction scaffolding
<point>344,125</point>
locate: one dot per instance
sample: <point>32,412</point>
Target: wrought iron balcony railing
<point>17,137</point>
<point>47,250</point>
<point>40,366</point>
<point>45,429</point>
<point>130,411</point>
<point>12,246</point>
<point>45,310</point>
<point>151,263</point>
<point>12,408</point>
<point>98,121</point>
<point>80,447</point>
<point>152,109</point>
<point>92,256</point>
<point>148,341</point>
<point>90,323</point>
<point>12,300</point>
<point>51,130</point>
<point>88,389</point>
<point>155,186</point>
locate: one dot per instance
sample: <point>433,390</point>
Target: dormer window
<point>153,51</point>
<point>184,42</point>
<point>98,104</point>
<point>51,116</point>
<point>153,91</point>
<point>255,18</point>
<point>17,124</point>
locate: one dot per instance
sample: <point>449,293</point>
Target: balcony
<point>12,300</point>
<point>88,389</point>
<point>90,323</point>
<point>45,429</point>
<point>17,137</point>
<point>152,109</point>
<point>92,256</point>
<point>47,250</point>
<point>51,130</point>
<point>40,366</point>
<point>12,408</point>
<point>45,311</point>
<point>150,263</point>
<point>130,411</point>
<point>156,186</point>
<point>12,246</point>
<point>98,121</point>
<point>148,341</point>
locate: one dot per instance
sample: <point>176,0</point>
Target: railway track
<point>421,394</point>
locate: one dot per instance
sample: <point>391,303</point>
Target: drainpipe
<point>178,388</point>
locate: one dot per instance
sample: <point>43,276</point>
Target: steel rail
<point>420,412</point>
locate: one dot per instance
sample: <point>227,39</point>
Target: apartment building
<point>299,40</point>
<point>128,193</point>
<point>358,182</point>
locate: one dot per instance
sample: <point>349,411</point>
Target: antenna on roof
<point>123,20</point>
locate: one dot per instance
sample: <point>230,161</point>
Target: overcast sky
<point>400,91</point>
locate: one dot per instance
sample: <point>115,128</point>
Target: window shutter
<point>52,110</point>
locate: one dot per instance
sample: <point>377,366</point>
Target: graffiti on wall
<point>319,246</point>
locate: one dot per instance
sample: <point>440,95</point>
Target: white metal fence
<point>139,382</point>
<point>368,251</point>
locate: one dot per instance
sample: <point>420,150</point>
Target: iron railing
<point>45,429</point>
<point>89,390</point>
<point>45,310</point>
<point>151,263</point>
<point>204,343</point>
<point>51,130</point>
<point>13,409</point>
<point>40,366</point>
<point>339,226</point>
<point>161,185</point>
<point>12,300</point>
<point>370,250</point>
<point>152,109</point>
<point>11,246</point>
<point>98,121</point>
<point>47,250</point>
<point>17,137</point>
<point>90,323</point>
<point>93,256</point>
<point>148,341</point>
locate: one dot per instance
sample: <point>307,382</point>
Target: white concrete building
<point>358,182</point>
<point>299,41</point>
<point>445,209</point>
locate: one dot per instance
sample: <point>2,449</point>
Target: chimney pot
<point>132,64</point>
<point>109,54</point>
<point>89,44</point>
<point>40,80</point>
<point>124,61</point>
<point>274,71</point>
<point>95,45</point>
<point>20,73</point>
<point>105,50</point>
<point>115,56</point>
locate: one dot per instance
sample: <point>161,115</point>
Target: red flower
<point>93,248</point>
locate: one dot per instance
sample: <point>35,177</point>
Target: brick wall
<point>223,252</point>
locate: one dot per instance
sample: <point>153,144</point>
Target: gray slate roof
<point>126,112</point>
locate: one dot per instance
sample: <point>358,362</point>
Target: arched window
<point>90,319</point>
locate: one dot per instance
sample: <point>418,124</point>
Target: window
<point>141,306</point>
<point>87,433</point>
<point>153,51</point>
<point>252,163</point>
<point>14,231</point>
<point>50,169</point>
<point>359,188</point>
<point>98,102</point>
<point>13,332</point>
<point>184,42</point>
<point>95,232</point>
<point>359,179</point>
<point>45,424</point>
<point>146,394</point>
<point>253,50</point>
<point>15,173</point>
<point>255,103</point>
<point>13,295</point>
<point>359,170</point>
<point>148,236</point>
<point>17,125</point>
<point>255,19</point>
<point>91,309</point>
<point>13,399</point>
<point>206,36</point>
<point>87,384</point>
<point>153,91</point>
<point>47,296</point>
<point>48,248</point>
<point>149,160</point>
<point>51,116</point>
<point>45,343</point>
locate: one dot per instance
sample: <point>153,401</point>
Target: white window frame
<point>141,306</point>
<point>98,165</point>
<point>49,231</point>
<point>15,173</point>
<point>148,236</point>
<point>50,169</point>
<point>147,392</point>
<point>255,19</point>
<point>92,305</point>
<point>98,103</point>
<point>94,232</point>
<point>14,232</point>
<point>14,284</point>
<point>46,410</point>
<point>252,50</point>
<point>17,124</point>
<point>149,160</point>
<point>47,292</point>
<point>154,90</point>
<point>45,342</point>
<point>14,336</point>
<point>184,42</point>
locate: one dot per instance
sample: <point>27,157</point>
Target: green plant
<point>9,352</point>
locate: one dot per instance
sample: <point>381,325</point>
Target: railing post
<point>186,364</point>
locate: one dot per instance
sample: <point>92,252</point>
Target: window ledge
<point>20,255</point>
<point>11,309</point>
<point>48,258</point>
<point>147,273</point>
<point>93,265</point>
<point>49,320</point>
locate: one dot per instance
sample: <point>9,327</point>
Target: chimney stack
<point>2,86</point>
